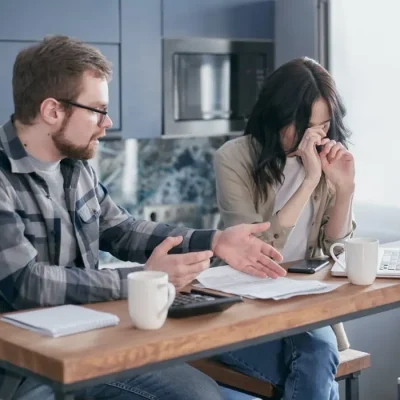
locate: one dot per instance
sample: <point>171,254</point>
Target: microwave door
<point>202,86</point>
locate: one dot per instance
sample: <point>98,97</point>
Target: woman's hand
<point>307,150</point>
<point>338,165</point>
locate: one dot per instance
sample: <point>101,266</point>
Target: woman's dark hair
<point>287,98</point>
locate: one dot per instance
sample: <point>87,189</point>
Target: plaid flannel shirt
<point>30,238</point>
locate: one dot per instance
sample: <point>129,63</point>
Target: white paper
<point>329,287</point>
<point>229,280</point>
<point>120,264</point>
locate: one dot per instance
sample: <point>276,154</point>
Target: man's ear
<point>51,111</point>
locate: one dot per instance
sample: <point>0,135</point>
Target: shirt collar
<point>20,160</point>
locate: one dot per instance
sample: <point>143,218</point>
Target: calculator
<point>197,302</point>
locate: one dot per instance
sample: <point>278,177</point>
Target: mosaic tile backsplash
<point>159,171</point>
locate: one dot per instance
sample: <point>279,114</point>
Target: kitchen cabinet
<point>127,32</point>
<point>141,68</point>
<point>95,21</point>
<point>251,19</point>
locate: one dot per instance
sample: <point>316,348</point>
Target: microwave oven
<point>210,85</point>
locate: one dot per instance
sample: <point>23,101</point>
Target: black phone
<point>308,266</point>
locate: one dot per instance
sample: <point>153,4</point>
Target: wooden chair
<point>352,362</point>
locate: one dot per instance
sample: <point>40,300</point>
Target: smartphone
<point>308,266</point>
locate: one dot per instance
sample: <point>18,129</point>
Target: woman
<point>292,168</point>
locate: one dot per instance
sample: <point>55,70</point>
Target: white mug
<point>361,256</point>
<point>149,297</point>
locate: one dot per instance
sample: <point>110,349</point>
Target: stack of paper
<point>61,320</point>
<point>229,280</point>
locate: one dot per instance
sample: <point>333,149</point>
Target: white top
<point>51,173</point>
<point>296,245</point>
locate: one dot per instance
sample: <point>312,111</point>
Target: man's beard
<point>69,149</point>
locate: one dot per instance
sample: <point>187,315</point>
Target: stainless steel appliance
<point>210,85</point>
<point>302,28</point>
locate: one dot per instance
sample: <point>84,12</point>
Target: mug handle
<point>171,297</point>
<point>334,256</point>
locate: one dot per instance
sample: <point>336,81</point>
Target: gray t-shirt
<point>51,173</point>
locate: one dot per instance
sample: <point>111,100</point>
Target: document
<point>229,280</point>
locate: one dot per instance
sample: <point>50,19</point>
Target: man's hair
<point>53,68</point>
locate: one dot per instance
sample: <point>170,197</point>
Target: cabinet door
<point>141,68</point>
<point>219,18</point>
<point>112,52</point>
<point>9,51</point>
<point>95,21</point>
<point>127,32</point>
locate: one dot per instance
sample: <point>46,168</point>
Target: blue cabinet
<point>89,20</point>
<point>127,32</point>
<point>141,68</point>
<point>253,19</point>
<point>8,51</point>
<point>112,52</point>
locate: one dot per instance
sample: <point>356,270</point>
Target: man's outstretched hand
<point>239,248</point>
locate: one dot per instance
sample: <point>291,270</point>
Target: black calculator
<point>197,302</point>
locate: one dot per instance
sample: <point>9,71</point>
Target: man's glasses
<point>103,113</point>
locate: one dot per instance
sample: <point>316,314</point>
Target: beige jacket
<point>238,203</point>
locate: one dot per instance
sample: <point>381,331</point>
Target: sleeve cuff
<point>201,239</point>
<point>276,235</point>
<point>328,242</point>
<point>123,276</point>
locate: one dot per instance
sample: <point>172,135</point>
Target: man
<point>55,215</point>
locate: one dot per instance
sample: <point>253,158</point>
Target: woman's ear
<point>288,137</point>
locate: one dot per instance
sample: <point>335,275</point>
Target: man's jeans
<point>303,367</point>
<point>173,383</point>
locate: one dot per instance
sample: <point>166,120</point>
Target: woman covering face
<point>292,166</point>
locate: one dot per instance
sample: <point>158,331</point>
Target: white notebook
<point>61,320</point>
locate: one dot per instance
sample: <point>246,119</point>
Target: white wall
<point>365,62</point>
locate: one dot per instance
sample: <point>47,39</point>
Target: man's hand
<point>182,269</point>
<point>239,248</point>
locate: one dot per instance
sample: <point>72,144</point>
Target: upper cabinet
<point>141,68</point>
<point>127,32</point>
<point>95,21</point>
<point>252,19</point>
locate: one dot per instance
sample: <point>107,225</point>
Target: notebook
<point>61,320</point>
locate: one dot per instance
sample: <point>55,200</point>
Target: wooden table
<point>74,362</point>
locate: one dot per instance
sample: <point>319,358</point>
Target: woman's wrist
<point>310,184</point>
<point>345,190</point>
